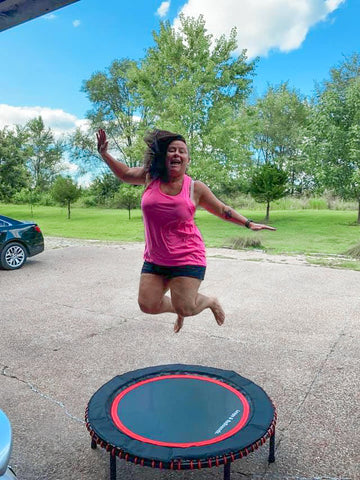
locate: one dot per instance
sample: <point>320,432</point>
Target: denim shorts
<point>194,271</point>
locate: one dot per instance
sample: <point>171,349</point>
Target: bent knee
<point>149,306</point>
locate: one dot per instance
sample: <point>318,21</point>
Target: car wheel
<point>13,256</point>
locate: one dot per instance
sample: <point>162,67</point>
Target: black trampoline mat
<point>180,410</point>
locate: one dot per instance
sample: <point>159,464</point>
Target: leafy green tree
<point>129,196</point>
<point>281,123</point>
<point>44,154</point>
<point>196,85</point>
<point>268,184</point>
<point>335,140</point>
<point>81,146</point>
<point>104,189</point>
<point>188,83</point>
<point>65,191</point>
<point>13,172</point>
<point>115,107</point>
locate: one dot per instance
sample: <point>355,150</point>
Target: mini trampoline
<point>180,417</point>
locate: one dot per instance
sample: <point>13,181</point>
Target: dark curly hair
<point>154,158</point>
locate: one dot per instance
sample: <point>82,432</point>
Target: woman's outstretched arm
<point>206,199</point>
<point>134,175</point>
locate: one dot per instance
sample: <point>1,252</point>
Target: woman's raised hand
<point>102,143</point>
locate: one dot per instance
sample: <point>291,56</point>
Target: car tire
<point>13,256</point>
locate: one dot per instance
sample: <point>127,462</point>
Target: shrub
<point>354,251</point>
<point>88,201</point>
<point>47,200</point>
<point>240,243</point>
<point>26,195</point>
<point>290,203</point>
<point>317,203</point>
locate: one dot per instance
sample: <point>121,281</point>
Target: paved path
<point>70,322</point>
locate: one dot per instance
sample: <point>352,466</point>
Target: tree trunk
<point>68,209</point>
<point>267,212</point>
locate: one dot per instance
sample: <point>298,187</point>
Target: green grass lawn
<point>298,231</point>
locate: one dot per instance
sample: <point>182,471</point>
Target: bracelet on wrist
<point>247,223</point>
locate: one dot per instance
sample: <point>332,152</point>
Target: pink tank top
<point>171,236</point>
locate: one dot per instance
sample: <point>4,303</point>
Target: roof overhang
<point>13,12</point>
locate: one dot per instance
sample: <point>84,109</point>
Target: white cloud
<point>50,16</point>
<point>71,167</point>
<point>333,4</point>
<point>163,9</point>
<point>76,23</point>
<point>262,25</point>
<point>59,121</point>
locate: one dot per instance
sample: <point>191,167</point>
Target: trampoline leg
<point>227,471</point>
<point>93,444</point>
<point>272,448</point>
<point>112,467</point>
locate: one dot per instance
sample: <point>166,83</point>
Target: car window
<point>3,223</point>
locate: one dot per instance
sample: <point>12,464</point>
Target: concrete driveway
<point>70,322</point>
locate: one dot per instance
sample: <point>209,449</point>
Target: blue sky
<point>45,61</point>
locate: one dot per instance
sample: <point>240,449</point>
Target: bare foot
<point>218,312</point>
<point>178,324</point>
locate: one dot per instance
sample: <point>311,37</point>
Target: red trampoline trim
<point>240,424</point>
